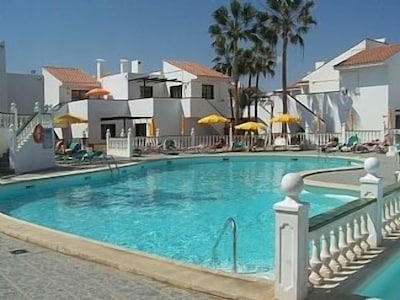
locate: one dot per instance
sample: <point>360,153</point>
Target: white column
<point>291,240</point>
<point>14,111</point>
<point>192,137</point>
<point>343,138</point>
<point>371,186</point>
<point>129,146</point>
<point>307,135</point>
<point>108,135</point>
<point>230,136</point>
<point>383,130</point>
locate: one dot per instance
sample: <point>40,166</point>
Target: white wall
<point>25,90</point>
<point>368,90</point>
<point>93,110</point>
<point>117,85</point>
<point>168,114</point>
<point>326,78</point>
<point>32,157</point>
<point>393,78</point>
<point>4,106</point>
<point>51,88</point>
<point>332,107</point>
<point>185,78</point>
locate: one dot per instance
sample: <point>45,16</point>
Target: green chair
<point>351,142</point>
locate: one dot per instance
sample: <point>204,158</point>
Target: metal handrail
<point>230,221</point>
<point>106,157</point>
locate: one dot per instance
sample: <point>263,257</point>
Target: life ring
<point>38,133</point>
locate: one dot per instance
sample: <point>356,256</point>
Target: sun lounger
<point>280,143</point>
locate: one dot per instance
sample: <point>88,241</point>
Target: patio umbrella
<point>251,126</point>
<point>213,119</point>
<point>67,119</point>
<point>285,118</point>
<point>98,92</point>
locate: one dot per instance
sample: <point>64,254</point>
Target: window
<point>141,129</point>
<point>207,91</point>
<point>78,95</point>
<point>103,130</point>
<point>176,91</point>
<point>146,92</point>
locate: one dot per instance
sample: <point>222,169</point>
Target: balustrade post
<point>291,241</point>
<point>122,134</point>
<point>129,141</point>
<point>108,136</point>
<point>192,137</point>
<point>372,187</point>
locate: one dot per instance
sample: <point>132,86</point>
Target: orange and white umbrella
<point>97,92</point>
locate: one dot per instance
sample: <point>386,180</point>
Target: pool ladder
<point>230,222</point>
<point>113,161</point>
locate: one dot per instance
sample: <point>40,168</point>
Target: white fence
<point>124,145</point>
<point>334,240</point>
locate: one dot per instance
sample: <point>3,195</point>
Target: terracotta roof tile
<point>197,69</point>
<point>71,75</point>
<point>371,56</point>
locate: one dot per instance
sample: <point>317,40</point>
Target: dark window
<point>207,91</point>
<point>397,121</point>
<point>176,91</point>
<point>146,92</point>
<point>141,129</point>
<point>78,95</point>
<point>104,128</point>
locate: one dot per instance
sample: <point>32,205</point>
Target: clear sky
<point>73,33</point>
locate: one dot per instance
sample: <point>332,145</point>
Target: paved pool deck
<point>40,273</point>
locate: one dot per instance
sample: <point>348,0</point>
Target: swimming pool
<point>176,208</point>
<point>382,283</point>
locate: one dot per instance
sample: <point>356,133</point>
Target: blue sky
<point>74,33</point>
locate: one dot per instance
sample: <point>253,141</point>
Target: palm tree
<point>223,64</point>
<point>233,25</point>
<point>290,20</point>
<point>263,64</point>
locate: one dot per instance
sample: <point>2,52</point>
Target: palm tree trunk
<point>248,109</point>
<point>256,100</point>
<point>284,82</point>
<point>249,83</point>
<point>231,103</point>
<point>236,81</point>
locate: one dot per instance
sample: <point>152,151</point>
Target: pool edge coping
<point>212,282</point>
<point>221,284</point>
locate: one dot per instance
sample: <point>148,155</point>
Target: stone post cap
<point>292,184</point>
<point>371,165</point>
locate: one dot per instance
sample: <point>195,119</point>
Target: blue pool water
<point>383,284</point>
<point>177,208</point>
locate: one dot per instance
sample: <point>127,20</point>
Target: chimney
<point>123,65</point>
<point>100,68</point>
<point>136,66</point>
